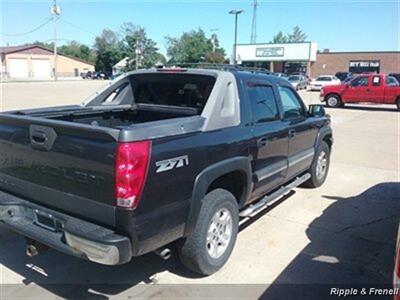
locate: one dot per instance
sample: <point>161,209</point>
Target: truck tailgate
<point>62,165</point>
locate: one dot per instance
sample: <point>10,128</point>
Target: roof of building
<point>14,49</point>
<point>356,52</point>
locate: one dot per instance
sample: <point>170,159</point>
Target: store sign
<point>270,52</point>
<point>367,63</point>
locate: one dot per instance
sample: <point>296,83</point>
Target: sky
<point>341,25</point>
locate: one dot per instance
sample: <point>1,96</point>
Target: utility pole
<point>213,38</point>
<point>55,11</point>
<point>137,54</point>
<point>253,37</point>
<point>236,13</point>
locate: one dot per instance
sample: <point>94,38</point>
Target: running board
<point>268,200</point>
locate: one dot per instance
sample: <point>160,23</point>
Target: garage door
<point>41,68</point>
<point>18,67</point>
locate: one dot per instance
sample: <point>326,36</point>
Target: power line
<point>28,32</point>
<point>76,26</point>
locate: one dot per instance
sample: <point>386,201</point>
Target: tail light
<point>131,166</point>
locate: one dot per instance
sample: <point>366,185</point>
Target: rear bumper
<point>315,88</point>
<point>69,235</point>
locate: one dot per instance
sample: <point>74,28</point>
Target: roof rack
<point>213,66</point>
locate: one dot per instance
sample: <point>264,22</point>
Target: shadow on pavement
<point>352,243</point>
<point>72,278</point>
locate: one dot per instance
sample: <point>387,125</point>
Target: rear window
<point>184,90</point>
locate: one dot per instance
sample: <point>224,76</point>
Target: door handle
<point>262,142</point>
<point>368,90</point>
<point>291,133</point>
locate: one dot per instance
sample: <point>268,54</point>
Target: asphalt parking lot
<point>341,233</point>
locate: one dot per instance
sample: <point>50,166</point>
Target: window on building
<point>263,103</point>
<point>292,107</point>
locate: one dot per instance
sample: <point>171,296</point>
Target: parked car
<point>302,74</point>
<point>103,75</point>
<point>322,81</point>
<point>283,75</point>
<point>373,88</point>
<point>158,156</point>
<point>87,75</point>
<point>342,76</point>
<point>299,82</point>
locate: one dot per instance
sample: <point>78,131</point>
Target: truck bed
<point>64,158</point>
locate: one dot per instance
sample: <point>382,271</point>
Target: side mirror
<point>316,110</point>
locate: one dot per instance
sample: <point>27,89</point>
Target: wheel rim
<point>322,164</point>
<point>332,101</point>
<point>219,233</point>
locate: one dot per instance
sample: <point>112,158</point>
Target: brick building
<point>356,62</point>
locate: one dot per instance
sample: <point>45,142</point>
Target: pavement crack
<point>367,223</point>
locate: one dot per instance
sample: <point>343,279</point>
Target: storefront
<point>304,57</point>
<point>356,62</point>
<point>278,58</point>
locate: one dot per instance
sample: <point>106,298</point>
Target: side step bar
<point>254,209</point>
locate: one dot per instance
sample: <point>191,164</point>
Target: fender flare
<point>207,176</point>
<point>322,133</point>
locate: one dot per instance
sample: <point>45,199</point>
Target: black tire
<point>194,252</point>
<point>398,103</point>
<point>333,101</point>
<point>317,180</point>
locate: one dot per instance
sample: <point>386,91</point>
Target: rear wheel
<point>333,101</point>
<point>319,167</point>
<point>398,103</point>
<point>210,245</point>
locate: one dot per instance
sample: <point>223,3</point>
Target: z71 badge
<point>172,163</point>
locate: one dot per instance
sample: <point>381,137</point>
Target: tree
<point>279,38</point>
<point>77,50</point>
<point>194,47</point>
<point>138,47</point>
<point>109,50</point>
<point>42,44</point>
<point>297,36</point>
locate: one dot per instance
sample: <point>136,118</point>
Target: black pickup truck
<point>158,156</point>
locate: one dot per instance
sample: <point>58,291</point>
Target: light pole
<point>236,13</point>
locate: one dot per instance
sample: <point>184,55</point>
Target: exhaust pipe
<point>163,253</point>
<point>34,248</point>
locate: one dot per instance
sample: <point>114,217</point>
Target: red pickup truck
<point>373,88</point>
